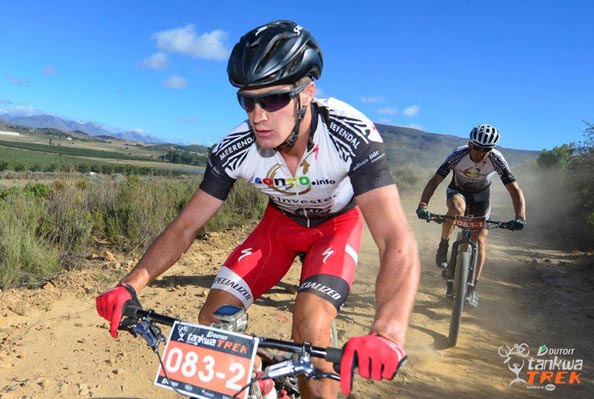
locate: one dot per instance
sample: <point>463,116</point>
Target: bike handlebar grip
<point>130,310</point>
<point>334,355</point>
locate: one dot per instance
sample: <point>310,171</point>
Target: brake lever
<point>127,325</point>
<point>151,334</point>
<point>289,367</point>
<point>148,331</point>
<point>320,375</point>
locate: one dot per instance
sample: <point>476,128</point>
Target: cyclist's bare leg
<point>312,320</point>
<point>215,299</point>
<point>456,207</point>
<point>481,238</point>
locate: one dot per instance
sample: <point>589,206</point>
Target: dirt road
<point>53,345</point>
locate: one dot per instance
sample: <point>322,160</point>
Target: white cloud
<point>411,111</point>
<point>186,41</point>
<point>372,99</point>
<point>16,80</point>
<point>190,121</point>
<point>176,82</point>
<point>5,102</point>
<point>156,61</point>
<point>21,110</point>
<point>49,70</point>
<point>387,111</point>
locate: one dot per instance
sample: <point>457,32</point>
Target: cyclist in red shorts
<point>323,166</point>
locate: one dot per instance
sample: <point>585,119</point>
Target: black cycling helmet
<point>280,52</point>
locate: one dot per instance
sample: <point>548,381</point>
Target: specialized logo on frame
<point>548,369</point>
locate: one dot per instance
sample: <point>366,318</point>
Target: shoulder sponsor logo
<point>347,136</point>
<point>230,149</point>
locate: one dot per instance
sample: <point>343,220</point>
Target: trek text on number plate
<point>206,362</point>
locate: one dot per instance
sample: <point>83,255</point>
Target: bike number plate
<point>205,362</point>
<point>470,224</point>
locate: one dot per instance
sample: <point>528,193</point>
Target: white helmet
<point>484,136</point>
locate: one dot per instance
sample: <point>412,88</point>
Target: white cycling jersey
<point>344,157</point>
<point>472,177</point>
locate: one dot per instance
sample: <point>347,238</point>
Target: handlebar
<point>470,222</point>
<point>138,321</point>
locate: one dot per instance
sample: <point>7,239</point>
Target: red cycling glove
<point>111,303</point>
<point>376,357</point>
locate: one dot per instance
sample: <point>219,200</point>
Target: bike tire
<point>460,284</point>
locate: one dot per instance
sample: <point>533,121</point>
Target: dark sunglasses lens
<point>246,103</point>
<point>481,149</point>
<point>270,103</point>
<point>275,102</point>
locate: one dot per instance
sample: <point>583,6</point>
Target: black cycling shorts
<point>477,204</point>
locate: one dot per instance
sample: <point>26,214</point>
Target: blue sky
<point>526,67</point>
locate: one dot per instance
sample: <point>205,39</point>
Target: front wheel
<point>460,280</point>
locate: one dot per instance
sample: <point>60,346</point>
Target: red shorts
<point>262,260</point>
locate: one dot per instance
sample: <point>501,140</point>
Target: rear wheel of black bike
<point>460,280</point>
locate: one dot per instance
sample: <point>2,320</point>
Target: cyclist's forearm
<point>430,188</point>
<point>396,287</point>
<point>518,200</point>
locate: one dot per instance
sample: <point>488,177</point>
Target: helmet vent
<point>280,52</point>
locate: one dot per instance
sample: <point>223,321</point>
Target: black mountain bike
<point>219,361</point>
<point>460,275</point>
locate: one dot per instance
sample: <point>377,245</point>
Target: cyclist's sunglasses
<point>481,149</point>
<point>270,101</point>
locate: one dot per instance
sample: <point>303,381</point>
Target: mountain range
<point>69,125</point>
<point>407,145</point>
<point>403,145</point>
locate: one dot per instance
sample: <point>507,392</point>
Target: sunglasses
<point>270,101</point>
<point>480,149</point>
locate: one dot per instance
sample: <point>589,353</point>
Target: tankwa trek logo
<point>547,369</point>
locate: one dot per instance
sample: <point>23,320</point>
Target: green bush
<point>558,157</point>
<point>410,177</point>
<point>144,207</point>
<point>244,204</point>
<point>565,209</point>
<point>26,257</point>
<point>67,224</point>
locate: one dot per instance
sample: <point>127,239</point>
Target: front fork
<point>467,245</point>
